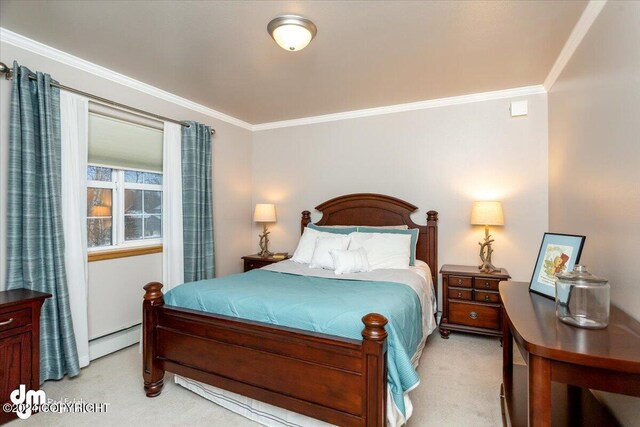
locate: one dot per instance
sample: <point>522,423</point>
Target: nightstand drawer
<point>478,315</point>
<point>486,296</point>
<point>482,283</point>
<point>461,281</point>
<point>460,293</point>
<point>252,264</point>
<point>14,319</point>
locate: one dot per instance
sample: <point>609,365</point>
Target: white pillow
<point>321,255</point>
<point>384,250</point>
<point>350,261</point>
<point>307,244</point>
<point>388,227</point>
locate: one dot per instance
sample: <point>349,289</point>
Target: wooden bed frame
<point>338,380</point>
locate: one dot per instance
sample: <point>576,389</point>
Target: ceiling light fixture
<point>292,32</point>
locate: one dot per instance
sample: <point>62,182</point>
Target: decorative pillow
<point>321,255</point>
<point>384,250</point>
<point>307,244</point>
<point>413,233</point>
<point>335,229</point>
<point>350,261</point>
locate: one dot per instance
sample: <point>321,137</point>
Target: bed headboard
<point>378,210</point>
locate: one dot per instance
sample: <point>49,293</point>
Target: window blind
<point>124,144</point>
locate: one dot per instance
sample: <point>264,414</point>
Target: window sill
<point>123,253</point>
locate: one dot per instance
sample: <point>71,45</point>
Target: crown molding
<point>580,30</point>
<point>73,61</point>
<point>398,108</point>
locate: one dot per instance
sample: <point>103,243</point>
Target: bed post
<point>432,247</point>
<point>306,219</point>
<point>374,346</point>
<point>152,373</point>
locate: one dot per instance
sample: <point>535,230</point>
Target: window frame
<point>119,245</point>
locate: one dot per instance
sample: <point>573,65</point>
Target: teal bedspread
<point>331,306</point>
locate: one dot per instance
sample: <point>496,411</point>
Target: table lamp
<point>487,213</point>
<point>100,210</point>
<point>264,213</point>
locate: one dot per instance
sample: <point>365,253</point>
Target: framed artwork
<point>558,254</point>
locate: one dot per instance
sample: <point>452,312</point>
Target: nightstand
<point>471,301</point>
<point>256,261</point>
<point>19,343</point>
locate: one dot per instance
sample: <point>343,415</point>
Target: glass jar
<point>582,299</point>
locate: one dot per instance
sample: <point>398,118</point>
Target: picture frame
<point>558,253</point>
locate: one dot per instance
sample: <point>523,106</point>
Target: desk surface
<point>534,322</point>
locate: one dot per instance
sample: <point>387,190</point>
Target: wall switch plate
<point>519,108</point>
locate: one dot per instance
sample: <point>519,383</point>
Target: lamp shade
<point>265,212</point>
<point>487,213</point>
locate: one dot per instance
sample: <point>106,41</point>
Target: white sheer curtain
<point>172,232</point>
<point>74,117</point>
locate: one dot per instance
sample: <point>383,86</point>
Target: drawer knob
<point>459,294</point>
<point>473,315</point>
<point>486,284</point>
<point>486,297</point>
<point>459,281</point>
<point>6,322</point>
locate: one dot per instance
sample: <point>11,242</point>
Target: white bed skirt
<point>255,410</point>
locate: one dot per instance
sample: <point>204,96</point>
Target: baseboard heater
<point>114,341</point>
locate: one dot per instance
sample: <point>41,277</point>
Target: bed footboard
<point>338,380</point>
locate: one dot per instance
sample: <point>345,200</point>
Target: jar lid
<point>580,274</point>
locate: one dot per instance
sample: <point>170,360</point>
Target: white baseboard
<point>113,342</point>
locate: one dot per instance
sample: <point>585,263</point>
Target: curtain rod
<point>8,72</point>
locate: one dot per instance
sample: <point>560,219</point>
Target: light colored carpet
<point>460,384</point>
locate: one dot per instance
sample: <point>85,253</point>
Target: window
<point>124,208</point>
<point>124,184</point>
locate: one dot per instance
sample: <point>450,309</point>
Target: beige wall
<point>114,292</point>
<point>594,158</point>
<point>441,158</point>
<point>231,187</point>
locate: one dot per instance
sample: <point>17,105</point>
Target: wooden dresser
<point>19,343</point>
<point>471,302</point>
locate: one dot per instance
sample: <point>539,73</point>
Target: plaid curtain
<point>197,205</point>
<point>35,240</point>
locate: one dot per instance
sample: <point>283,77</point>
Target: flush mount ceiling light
<point>292,32</point>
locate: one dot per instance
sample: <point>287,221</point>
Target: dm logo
<point>27,401</point>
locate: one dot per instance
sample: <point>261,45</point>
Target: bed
<point>346,377</point>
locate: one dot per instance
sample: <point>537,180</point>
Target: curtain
<point>197,203</point>
<point>35,238</point>
<point>172,230</point>
<point>74,120</point>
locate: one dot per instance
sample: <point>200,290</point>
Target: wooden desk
<point>574,359</point>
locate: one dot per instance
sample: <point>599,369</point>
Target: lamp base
<point>266,254</point>
<point>487,267</point>
<point>485,253</point>
<point>264,243</point>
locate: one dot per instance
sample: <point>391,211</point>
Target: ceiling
<point>366,54</point>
